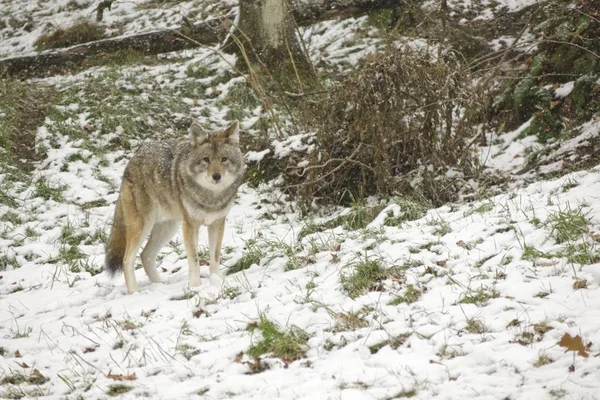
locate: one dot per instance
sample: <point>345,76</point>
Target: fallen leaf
<point>36,372</point>
<point>466,246</point>
<point>239,356</point>
<point>18,354</point>
<point>542,328</point>
<point>572,368</point>
<point>147,314</point>
<point>89,350</point>
<point>24,365</point>
<point>573,344</point>
<point>580,284</point>
<point>121,377</point>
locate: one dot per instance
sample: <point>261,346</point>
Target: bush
<point>82,31</point>
<point>568,44</point>
<point>395,125</point>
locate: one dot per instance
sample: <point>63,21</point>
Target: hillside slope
<point>493,299</point>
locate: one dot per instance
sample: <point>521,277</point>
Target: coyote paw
<point>216,280</point>
<point>194,281</point>
<point>133,290</point>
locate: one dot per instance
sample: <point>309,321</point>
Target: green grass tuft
<point>480,297</point>
<point>44,190</point>
<point>410,296</point>
<point>367,275</point>
<point>287,345</point>
<point>251,256</point>
<point>568,224</point>
<point>118,389</point>
<point>410,210</point>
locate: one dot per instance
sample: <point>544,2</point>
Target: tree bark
<point>267,36</point>
<point>168,40</point>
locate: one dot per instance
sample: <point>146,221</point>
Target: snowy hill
<point>469,300</point>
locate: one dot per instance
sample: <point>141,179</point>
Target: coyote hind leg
<point>160,235</point>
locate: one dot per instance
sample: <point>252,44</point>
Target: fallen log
<point>146,43</point>
<point>169,40</point>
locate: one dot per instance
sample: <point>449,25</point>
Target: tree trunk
<point>267,37</point>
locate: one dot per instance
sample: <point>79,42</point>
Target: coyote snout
<point>191,182</point>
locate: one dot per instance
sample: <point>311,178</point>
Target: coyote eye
<point>223,159</point>
<point>206,160</point>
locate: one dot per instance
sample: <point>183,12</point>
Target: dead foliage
<point>82,31</point>
<point>396,125</point>
<point>571,343</point>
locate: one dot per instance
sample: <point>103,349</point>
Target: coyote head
<point>215,158</point>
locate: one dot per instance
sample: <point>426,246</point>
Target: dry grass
<point>82,31</point>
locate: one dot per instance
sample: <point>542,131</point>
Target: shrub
<point>394,125</point>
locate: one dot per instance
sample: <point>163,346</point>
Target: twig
<point>343,162</point>
<point>308,93</point>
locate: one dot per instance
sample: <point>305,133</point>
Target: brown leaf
<point>89,350</point>
<point>121,377</point>
<point>572,368</point>
<point>542,328</point>
<point>36,372</point>
<point>573,344</point>
<point>18,354</point>
<point>238,357</point>
<point>147,314</point>
<point>466,246</point>
<point>580,284</point>
<point>24,365</point>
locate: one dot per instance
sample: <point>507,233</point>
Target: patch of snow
<point>564,90</point>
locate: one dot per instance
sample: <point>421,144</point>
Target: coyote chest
<point>202,216</point>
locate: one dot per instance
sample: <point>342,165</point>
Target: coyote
<point>192,180</point>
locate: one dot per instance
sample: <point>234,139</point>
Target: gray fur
<point>172,181</point>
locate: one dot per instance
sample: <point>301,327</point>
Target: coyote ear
<point>232,133</point>
<point>197,134</point>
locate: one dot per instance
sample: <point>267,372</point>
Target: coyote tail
<point>115,248</point>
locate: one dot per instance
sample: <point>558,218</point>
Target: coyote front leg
<point>215,239</point>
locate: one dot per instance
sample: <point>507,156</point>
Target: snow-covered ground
<point>486,292</point>
<point>23,21</point>
<point>466,301</point>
